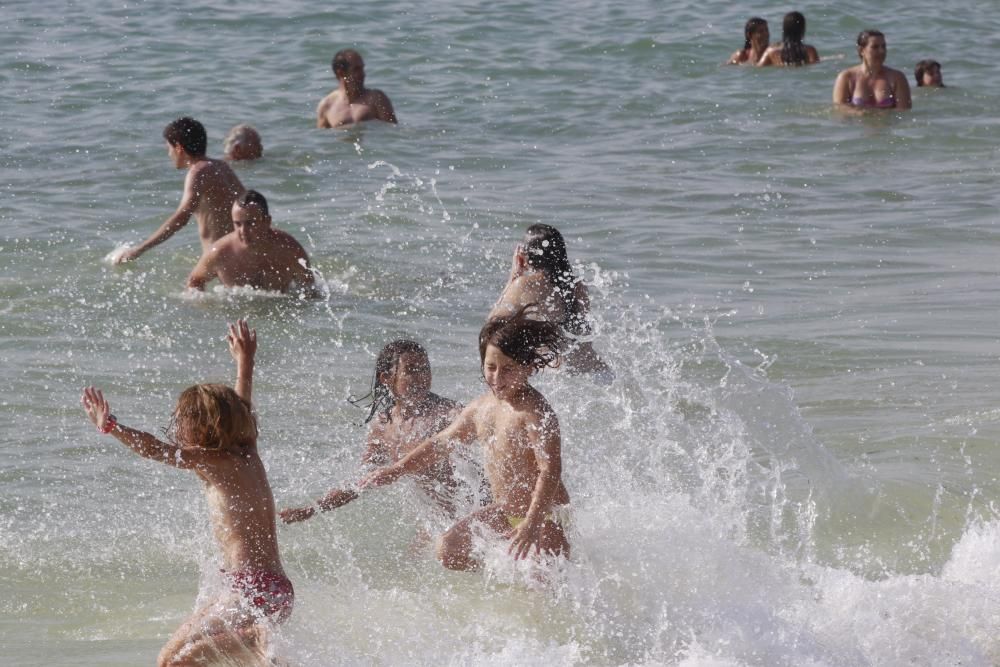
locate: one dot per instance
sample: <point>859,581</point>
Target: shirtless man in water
<point>352,102</point>
<point>210,188</point>
<point>519,432</point>
<point>254,254</point>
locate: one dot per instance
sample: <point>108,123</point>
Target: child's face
<point>504,376</point>
<point>932,77</point>
<point>412,377</point>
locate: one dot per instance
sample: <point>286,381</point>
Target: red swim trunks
<point>269,593</point>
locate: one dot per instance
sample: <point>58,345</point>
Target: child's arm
<point>140,442</point>
<point>462,430</point>
<point>333,500</point>
<point>544,438</point>
<point>243,346</point>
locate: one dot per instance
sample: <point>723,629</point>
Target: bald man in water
<point>255,254</point>
<point>351,102</point>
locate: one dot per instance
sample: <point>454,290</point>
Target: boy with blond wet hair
<point>213,433</point>
<point>519,433</point>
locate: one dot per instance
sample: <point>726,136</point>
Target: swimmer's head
<point>213,416</point>
<point>531,342</point>
<point>243,143</point>
<point>755,30</point>
<point>928,73</point>
<point>349,67</point>
<point>545,251</point>
<point>187,133</point>
<point>793,27</point>
<point>512,348</point>
<point>402,373</point>
<point>250,215</point>
<point>872,40</point>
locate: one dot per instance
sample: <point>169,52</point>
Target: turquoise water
<point>797,463</point>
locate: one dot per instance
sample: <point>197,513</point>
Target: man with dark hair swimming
<point>210,188</point>
<point>254,254</point>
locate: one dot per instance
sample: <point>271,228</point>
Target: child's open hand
<point>523,538</point>
<point>242,340</point>
<point>97,408</point>
<point>518,263</point>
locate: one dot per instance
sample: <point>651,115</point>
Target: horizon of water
<point>796,464</point>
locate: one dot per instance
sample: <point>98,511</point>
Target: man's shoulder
<point>329,98</point>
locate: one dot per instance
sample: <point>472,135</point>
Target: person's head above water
<point>928,73</point>
<point>187,133</point>
<point>793,30</point>
<point>213,416</point>
<point>755,30</point>
<point>871,46</point>
<point>349,67</point>
<point>250,215</point>
<point>243,143</point>
<point>402,372</point>
<point>545,250</point>
<point>530,342</point>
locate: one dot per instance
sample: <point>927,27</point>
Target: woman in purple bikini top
<point>872,85</point>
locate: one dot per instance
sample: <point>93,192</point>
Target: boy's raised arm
<point>243,346</point>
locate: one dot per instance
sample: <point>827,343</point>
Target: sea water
<point>797,462</point>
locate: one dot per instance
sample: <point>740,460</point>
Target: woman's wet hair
<point>213,416</point>
<point>524,338</point>
<point>545,251</point>
<point>793,30</point>
<point>865,35</point>
<point>379,399</point>
<point>753,25</point>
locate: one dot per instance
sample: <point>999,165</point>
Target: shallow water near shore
<point>797,462</point>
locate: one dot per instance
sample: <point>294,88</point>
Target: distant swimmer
<point>872,85</point>
<point>254,254</point>
<point>352,102</point>
<point>928,74</point>
<point>791,51</point>
<point>403,413</point>
<point>213,433</point>
<point>210,188</point>
<point>757,38</point>
<point>522,447</point>
<point>541,273</point>
<point>242,143</point>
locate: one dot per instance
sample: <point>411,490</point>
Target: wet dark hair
<point>752,25</point>
<point>342,59</point>
<point>865,35</point>
<point>793,29</point>
<point>187,133</point>
<point>379,398</point>
<point>923,66</point>
<point>253,198</point>
<point>545,251</point>
<point>525,339</point>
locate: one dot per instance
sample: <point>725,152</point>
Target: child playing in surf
<point>402,413</point>
<point>519,432</point>
<point>214,434</point>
